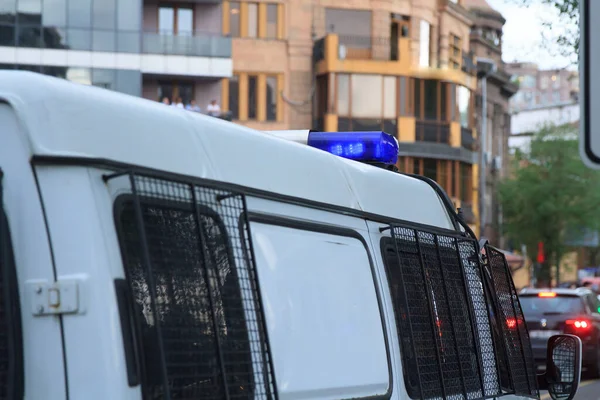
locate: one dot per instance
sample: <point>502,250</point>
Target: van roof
<point>63,119</point>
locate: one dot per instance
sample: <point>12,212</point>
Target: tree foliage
<point>550,194</point>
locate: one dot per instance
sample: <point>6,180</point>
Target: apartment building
<point>542,88</point>
<point>486,43</point>
<point>140,47</point>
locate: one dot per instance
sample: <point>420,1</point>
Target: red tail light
<point>578,324</point>
<point>511,323</point>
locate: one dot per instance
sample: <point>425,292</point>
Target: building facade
<point>139,47</point>
<point>486,43</point>
<point>542,88</point>
<point>406,67</point>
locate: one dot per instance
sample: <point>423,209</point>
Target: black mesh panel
<point>193,279</point>
<point>512,324</point>
<point>441,314</point>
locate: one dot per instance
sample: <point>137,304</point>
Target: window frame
<point>175,7</point>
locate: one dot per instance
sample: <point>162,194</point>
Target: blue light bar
<point>375,147</point>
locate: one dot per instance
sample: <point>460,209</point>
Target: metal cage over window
<point>195,302</point>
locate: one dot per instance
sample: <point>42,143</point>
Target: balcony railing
<point>367,48</point>
<point>199,44</point>
<point>432,131</point>
<point>467,139</point>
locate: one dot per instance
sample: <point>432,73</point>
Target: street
<point>588,390</point>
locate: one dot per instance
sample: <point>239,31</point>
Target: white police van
<point>149,252</point>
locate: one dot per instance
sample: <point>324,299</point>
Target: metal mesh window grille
<point>520,369</point>
<point>441,314</point>
<point>188,259</point>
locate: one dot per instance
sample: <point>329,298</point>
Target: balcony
<point>466,139</point>
<point>195,45</point>
<point>432,131</point>
<point>361,54</point>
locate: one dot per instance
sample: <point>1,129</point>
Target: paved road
<point>588,390</point>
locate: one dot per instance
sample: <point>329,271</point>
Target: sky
<point>525,38</point>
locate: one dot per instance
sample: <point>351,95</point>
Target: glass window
<point>403,105</point>
<point>252,20</point>
<point>430,99</point>
<point>29,11</point>
<point>79,13</point>
<point>417,98</point>
<point>234,96</point>
<point>80,75</point>
<point>104,14</point>
<point>104,78</point>
<point>79,39</point>
<point>54,13</point>
<point>272,21</point>
<point>430,168</point>
<point>252,96</point>
<point>343,95</point>
<point>234,19</point>
<point>129,82</point>
<point>366,95</point>
<point>185,21</point>
<point>353,23</point>
<point>29,36</point>
<point>443,101</point>
<point>272,95</point>
<point>129,15</point>
<point>8,12</point>
<point>8,35</point>
<point>465,182</point>
<point>104,40</point>
<point>464,102</point>
<point>165,90</point>
<point>424,44</point>
<point>534,306</point>
<point>389,97</point>
<point>166,20</point>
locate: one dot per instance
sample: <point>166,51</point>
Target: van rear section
<point>162,272</point>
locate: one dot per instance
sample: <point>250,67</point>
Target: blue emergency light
<point>373,147</point>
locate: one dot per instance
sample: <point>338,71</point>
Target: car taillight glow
<point>547,294</point>
<point>511,323</point>
<point>578,323</point>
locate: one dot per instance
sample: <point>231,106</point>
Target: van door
<point>37,369</point>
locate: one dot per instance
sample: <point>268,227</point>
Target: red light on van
<point>511,323</point>
<point>546,294</point>
<point>578,323</point>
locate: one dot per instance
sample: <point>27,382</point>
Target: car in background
<point>550,312</point>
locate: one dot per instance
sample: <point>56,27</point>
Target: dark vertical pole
<point>412,336</point>
<point>430,303</point>
<point>211,298</point>
<point>151,284</point>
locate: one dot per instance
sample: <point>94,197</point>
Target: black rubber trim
<point>130,339</point>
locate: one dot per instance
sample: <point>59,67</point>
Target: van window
<point>11,346</point>
<point>323,318</point>
<point>194,292</point>
<point>440,309</point>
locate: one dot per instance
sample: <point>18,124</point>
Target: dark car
<point>551,312</point>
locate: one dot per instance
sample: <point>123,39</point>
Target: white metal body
<point>330,336</point>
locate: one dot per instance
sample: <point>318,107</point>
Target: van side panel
<point>322,312</point>
<point>80,217</point>
<point>42,342</point>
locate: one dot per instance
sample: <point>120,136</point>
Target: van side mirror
<point>563,369</point>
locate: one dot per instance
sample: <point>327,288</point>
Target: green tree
<point>549,194</point>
